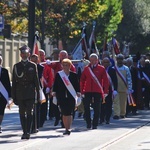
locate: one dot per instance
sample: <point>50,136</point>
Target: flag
<point>36,45</point>
<point>126,50</point>
<point>84,46</point>
<point>115,46</point>
<point>77,54</point>
<point>92,43</point>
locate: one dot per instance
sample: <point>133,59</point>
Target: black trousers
<point>106,109</point>
<point>26,114</point>
<point>94,99</point>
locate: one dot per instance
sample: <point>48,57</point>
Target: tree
<point>64,18</point>
<point>135,26</point>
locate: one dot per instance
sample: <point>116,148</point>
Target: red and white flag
<point>36,45</point>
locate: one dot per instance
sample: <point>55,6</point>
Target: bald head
<point>63,54</point>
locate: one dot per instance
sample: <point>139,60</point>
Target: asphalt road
<point>132,133</point>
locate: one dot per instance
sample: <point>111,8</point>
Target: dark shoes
<point>25,136</point>
<point>80,114</point>
<point>88,126</point>
<point>116,117</point>
<point>34,131</point>
<point>122,116</point>
<point>67,132</point>
<point>0,129</point>
<point>94,127</point>
<point>56,122</point>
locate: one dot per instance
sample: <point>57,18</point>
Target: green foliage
<point>64,18</point>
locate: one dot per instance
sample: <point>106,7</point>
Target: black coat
<point>4,78</point>
<point>60,88</point>
<point>113,76</point>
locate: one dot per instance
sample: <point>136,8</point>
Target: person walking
<point>94,86</point>
<point>5,91</point>
<point>25,85</point>
<point>66,89</point>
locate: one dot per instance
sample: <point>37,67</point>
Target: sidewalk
<point>125,134</point>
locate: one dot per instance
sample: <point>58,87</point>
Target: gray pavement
<point>132,133</point>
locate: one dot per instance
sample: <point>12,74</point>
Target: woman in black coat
<point>5,83</point>
<point>64,98</point>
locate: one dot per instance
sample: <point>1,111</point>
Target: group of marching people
<point>109,86</point>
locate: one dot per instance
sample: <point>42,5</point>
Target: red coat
<point>47,76</point>
<point>87,83</point>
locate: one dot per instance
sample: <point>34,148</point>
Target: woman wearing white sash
<point>64,97</point>
<point>5,90</point>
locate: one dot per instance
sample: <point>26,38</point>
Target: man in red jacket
<point>94,86</point>
<point>47,82</point>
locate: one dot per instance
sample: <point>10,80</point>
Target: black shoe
<point>80,114</point>
<point>56,122</point>
<point>27,136</point>
<point>94,127</point>
<point>0,129</point>
<point>101,122</point>
<point>67,132</point>
<point>107,122</point>
<point>116,117</point>
<point>23,136</point>
<point>34,131</point>
<point>88,126</point>
<point>122,116</point>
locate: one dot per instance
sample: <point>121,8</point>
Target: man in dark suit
<point>5,90</point>
<point>25,84</point>
<point>37,106</point>
<point>106,108</point>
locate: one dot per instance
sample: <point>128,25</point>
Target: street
<point>131,133</point>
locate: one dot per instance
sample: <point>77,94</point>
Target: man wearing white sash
<point>124,88</point>
<point>67,90</point>
<point>94,86</point>
<point>5,90</point>
<point>145,76</point>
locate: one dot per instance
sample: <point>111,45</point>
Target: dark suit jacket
<point>25,81</point>
<point>4,78</point>
<point>113,76</point>
<point>60,88</point>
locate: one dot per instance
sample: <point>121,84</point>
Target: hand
<point>105,95</point>
<point>83,96</point>
<point>47,90</point>
<point>78,101</point>
<point>54,100</point>
<point>129,91</point>
<point>48,62</point>
<point>78,94</point>
<point>115,93</point>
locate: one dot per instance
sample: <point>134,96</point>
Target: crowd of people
<point>111,87</point>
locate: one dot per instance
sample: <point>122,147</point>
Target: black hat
<point>24,49</point>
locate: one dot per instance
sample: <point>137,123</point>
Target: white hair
<point>94,55</point>
<point>41,50</point>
